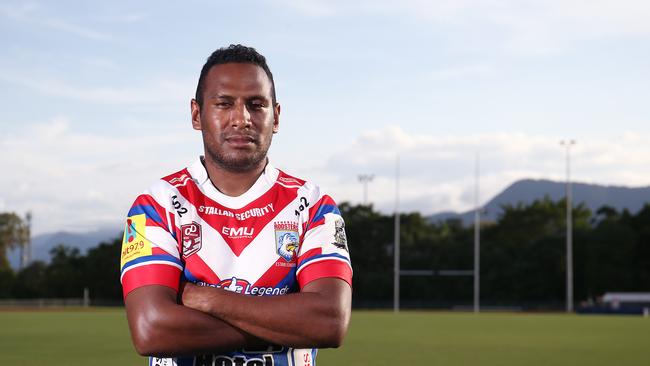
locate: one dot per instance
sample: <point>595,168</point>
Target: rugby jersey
<point>272,240</point>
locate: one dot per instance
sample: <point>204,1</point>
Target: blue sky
<point>95,96</point>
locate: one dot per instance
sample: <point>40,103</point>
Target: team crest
<point>340,240</point>
<point>191,238</point>
<point>286,239</point>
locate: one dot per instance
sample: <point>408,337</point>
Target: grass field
<point>100,337</point>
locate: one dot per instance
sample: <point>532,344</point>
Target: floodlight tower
<point>569,227</point>
<point>365,179</point>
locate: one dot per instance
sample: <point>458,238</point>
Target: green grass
<point>426,338</point>
<point>100,337</point>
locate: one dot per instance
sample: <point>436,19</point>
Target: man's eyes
<point>252,105</point>
<point>223,104</point>
<point>256,105</point>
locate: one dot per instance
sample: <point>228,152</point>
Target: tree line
<point>522,256</point>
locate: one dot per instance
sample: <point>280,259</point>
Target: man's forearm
<point>166,329</point>
<point>306,319</point>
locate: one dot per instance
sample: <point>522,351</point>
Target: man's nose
<point>240,117</point>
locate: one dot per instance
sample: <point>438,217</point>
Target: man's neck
<point>232,183</point>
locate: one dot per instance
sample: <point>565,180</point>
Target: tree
<point>64,275</point>
<point>13,233</point>
<point>101,271</point>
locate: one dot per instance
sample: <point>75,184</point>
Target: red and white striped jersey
<point>274,239</point>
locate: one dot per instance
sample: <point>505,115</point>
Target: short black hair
<point>235,53</point>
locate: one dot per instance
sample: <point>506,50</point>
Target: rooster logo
<point>287,245</point>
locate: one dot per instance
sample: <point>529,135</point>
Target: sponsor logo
<point>214,360</point>
<point>253,212</point>
<point>238,232</point>
<point>157,361</point>
<point>241,286</point>
<point>340,240</point>
<point>288,180</point>
<point>306,359</point>
<point>179,181</point>
<point>286,239</point>
<point>191,238</point>
<point>134,243</point>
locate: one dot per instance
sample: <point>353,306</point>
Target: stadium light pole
<point>477,238</point>
<point>569,227</point>
<point>397,242</point>
<point>365,179</point>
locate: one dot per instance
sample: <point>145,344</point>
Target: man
<point>232,261</point>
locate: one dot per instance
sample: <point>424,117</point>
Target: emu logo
<point>238,232</point>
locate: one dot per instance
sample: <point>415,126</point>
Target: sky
<point>95,97</point>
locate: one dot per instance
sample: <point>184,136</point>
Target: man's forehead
<point>237,76</point>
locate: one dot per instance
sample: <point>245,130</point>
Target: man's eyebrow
<point>220,96</point>
<point>250,97</point>
<point>262,97</point>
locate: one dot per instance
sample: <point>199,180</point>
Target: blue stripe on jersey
<point>148,258</point>
<point>332,255</point>
<point>189,277</point>
<point>325,209</point>
<point>289,280</point>
<point>149,212</point>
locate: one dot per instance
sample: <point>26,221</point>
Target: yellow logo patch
<point>135,243</point>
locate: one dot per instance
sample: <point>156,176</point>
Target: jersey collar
<point>262,184</point>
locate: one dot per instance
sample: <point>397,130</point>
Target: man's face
<point>238,117</point>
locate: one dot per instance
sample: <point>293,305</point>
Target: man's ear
<point>276,118</point>
<point>196,114</point>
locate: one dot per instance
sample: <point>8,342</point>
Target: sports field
<point>100,337</point>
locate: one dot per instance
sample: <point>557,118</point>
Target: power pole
<point>569,227</point>
<point>477,238</point>
<point>397,241</point>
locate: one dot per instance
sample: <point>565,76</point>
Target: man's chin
<point>240,164</point>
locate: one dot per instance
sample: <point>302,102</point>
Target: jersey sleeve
<point>150,254</point>
<point>324,250</point>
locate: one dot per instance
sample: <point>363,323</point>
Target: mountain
<point>526,191</point>
<point>43,243</point>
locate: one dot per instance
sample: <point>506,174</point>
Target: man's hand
<point>316,317</point>
<point>196,297</point>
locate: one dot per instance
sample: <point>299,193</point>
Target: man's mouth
<point>240,140</point>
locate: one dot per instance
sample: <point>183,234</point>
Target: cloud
<point>29,13</point>
<point>153,92</point>
<point>531,26</point>
<point>437,172</point>
<point>126,18</point>
<point>73,180</point>
<point>78,30</point>
<point>461,72</point>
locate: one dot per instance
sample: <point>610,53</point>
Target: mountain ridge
<point>525,191</point>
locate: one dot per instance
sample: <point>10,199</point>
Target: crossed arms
<point>211,319</point>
